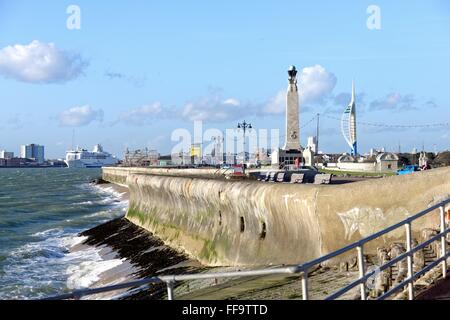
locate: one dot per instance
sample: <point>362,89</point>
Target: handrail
<point>306,267</point>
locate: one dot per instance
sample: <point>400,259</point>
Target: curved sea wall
<point>223,222</point>
<point>118,175</point>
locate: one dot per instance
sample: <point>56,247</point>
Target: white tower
<point>348,123</point>
<point>292,139</point>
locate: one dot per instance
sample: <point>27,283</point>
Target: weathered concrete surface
<point>118,175</point>
<point>302,222</point>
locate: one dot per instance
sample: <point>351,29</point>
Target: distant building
<point>16,162</point>
<point>181,158</point>
<point>6,155</point>
<point>382,162</point>
<point>262,157</point>
<point>312,144</point>
<point>141,158</point>
<point>33,151</point>
<point>308,155</point>
<point>243,157</point>
<point>196,153</point>
<point>165,161</point>
<point>423,160</point>
<point>230,158</point>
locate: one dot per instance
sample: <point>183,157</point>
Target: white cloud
<point>315,84</point>
<point>80,116</point>
<point>144,115</point>
<point>213,108</point>
<point>277,104</point>
<point>394,101</point>
<point>40,62</point>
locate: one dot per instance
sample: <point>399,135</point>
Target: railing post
<point>362,271</point>
<point>305,292</point>
<point>409,259</point>
<point>443,242</point>
<point>170,295</point>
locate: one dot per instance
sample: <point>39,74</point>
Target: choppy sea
<point>42,211</point>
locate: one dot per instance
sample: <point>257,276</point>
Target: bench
<point>297,177</point>
<point>322,178</point>
<point>280,176</point>
<point>273,176</point>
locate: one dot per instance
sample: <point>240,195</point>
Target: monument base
<point>287,158</point>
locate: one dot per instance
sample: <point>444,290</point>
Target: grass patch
<point>358,174</point>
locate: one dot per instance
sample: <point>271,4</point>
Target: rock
<point>418,258</point>
<point>383,278</point>
<point>99,181</point>
<point>402,266</point>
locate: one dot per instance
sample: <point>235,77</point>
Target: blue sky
<point>136,71</point>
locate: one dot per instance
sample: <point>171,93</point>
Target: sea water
<point>42,211</point>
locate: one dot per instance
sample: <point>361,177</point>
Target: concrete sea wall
<point>254,223</point>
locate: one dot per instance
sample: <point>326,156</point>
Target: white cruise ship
<point>97,158</point>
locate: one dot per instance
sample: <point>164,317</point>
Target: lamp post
<point>244,126</point>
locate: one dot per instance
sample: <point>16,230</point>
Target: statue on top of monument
<point>292,75</point>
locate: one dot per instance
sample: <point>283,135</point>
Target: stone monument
<point>292,138</point>
<point>292,150</point>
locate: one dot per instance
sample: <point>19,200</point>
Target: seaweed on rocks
<point>142,249</point>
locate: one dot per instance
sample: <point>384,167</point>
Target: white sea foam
<point>107,190</point>
<point>49,233</point>
<point>47,264</point>
<point>86,273</point>
<point>71,242</point>
<point>83,203</point>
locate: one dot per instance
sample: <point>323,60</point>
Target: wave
<point>87,273</point>
<point>45,262</point>
<point>50,267</point>
<point>112,214</point>
<point>103,190</point>
<point>50,232</point>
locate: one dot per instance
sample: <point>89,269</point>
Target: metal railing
<point>304,269</point>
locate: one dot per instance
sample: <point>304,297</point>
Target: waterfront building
<point>6,155</point>
<point>244,157</point>
<point>165,161</point>
<point>423,160</point>
<point>262,156</point>
<point>16,162</point>
<point>382,162</point>
<point>141,158</point>
<point>33,151</point>
<point>308,155</point>
<point>196,154</point>
<point>312,144</point>
<point>230,158</point>
<point>181,158</point>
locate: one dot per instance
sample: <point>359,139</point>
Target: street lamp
<point>244,126</point>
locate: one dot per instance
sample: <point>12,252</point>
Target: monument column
<point>292,138</point>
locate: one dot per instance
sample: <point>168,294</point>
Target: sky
<point>126,74</point>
